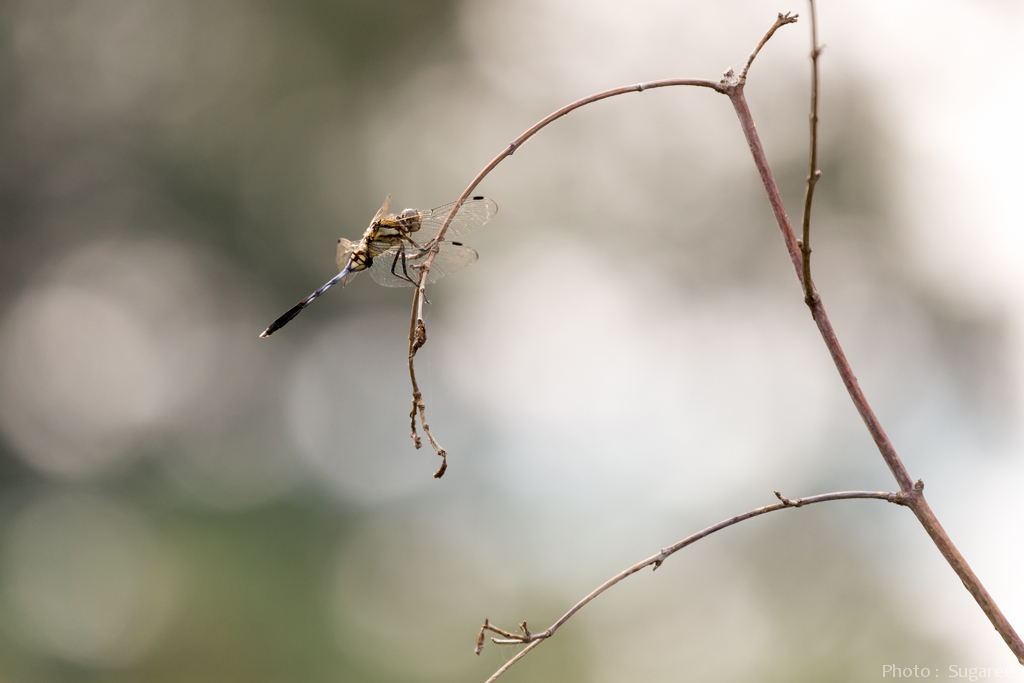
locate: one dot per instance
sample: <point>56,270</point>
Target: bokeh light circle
<point>85,580</point>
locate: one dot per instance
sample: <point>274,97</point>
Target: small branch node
<point>509,638</point>
<point>512,147</point>
<point>812,298</point>
<point>640,87</point>
<point>919,486</point>
<point>417,441</point>
<point>787,501</point>
<point>420,337</point>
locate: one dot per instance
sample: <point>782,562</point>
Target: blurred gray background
<point>629,361</point>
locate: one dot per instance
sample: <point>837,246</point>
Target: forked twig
<point>532,640</point>
<point>910,494</point>
<point>918,503</point>
<point>781,21</point>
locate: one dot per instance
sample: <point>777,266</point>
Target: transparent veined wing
<point>473,213</point>
<point>392,270</point>
<point>383,211</point>
<point>345,249</point>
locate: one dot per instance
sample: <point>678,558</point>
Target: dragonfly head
<point>411,219</point>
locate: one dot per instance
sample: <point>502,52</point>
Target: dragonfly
<point>394,258</point>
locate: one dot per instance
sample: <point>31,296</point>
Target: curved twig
<point>781,21</point>
<point>911,493</point>
<point>417,327</point>
<point>532,640</point>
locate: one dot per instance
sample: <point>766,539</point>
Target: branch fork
<point>910,494</point>
<point>509,637</point>
<point>532,640</point>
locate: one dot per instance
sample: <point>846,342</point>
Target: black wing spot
<point>458,244</point>
<point>476,199</point>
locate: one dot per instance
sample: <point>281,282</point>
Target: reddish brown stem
<point>910,494</point>
<point>916,501</point>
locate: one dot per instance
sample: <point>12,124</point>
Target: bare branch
<point>417,306</point>
<point>416,340</point>
<point>532,640</point>
<point>813,174</point>
<point>783,19</point>
<point>916,500</point>
<point>910,494</point>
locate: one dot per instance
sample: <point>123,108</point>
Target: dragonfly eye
<point>411,219</point>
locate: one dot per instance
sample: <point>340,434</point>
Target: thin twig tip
<point>788,502</point>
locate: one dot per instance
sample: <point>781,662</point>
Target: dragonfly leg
<point>405,271</point>
<point>400,254</point>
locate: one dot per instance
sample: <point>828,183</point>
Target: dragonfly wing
<point>452,256</point>
<point>473,213</point>
<point>381,270</point>
<point>392,270</point>
<point>345,249</point>
<point>384,209</point>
